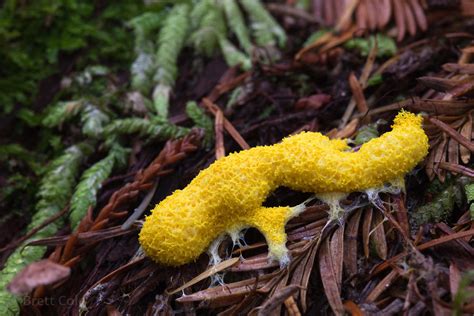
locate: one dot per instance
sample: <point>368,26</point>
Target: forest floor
<point>410,252</point>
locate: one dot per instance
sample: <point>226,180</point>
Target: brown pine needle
<point>219,130</point>
<point>453,133</point>
<point>209,272</point>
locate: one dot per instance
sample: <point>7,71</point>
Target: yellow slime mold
<point>228,195</point>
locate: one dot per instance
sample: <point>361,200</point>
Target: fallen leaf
<point>43,272</point>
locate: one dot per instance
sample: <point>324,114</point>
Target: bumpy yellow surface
<point>228,195</point>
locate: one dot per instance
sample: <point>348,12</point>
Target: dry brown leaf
<point>43,272</point>
<point>366,224</point>
<point>350,252</point>
<point>419,13</point>
<point>258,262</point>
<point>328,277</point>
<point>270,306</point>
<point>466,142</point>
<point>337,253</point>
<point>279,287</point>
<point>371,14</point>
<point>345,19</point>
<point>358,93</point>
<point>453,151</point>
<point>440,156</point>
<point>409,15</point>
<point>466,131</point>
<point>378,235</point>
<point>236,289</point>
<point>307,270</point>
<point>361,15</point>
<point>401,213</point>
<point>384,10</point>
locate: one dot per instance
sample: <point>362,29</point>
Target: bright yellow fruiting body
<point>228,195</point>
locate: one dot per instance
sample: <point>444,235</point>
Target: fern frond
<point>201,120</point>
<point>91,181</point>
<point>469,190</point>
<point>143,25</point>
<point>62,112</point>
<point>164,130</point>
<point>171,40</point>
<point>93,120</point>
<point>156,129</point>
<point>161,97</point>
<point>205,38</point>
<point>264,26</point>
<point>233,56</point>
<point>142,71</point>
<point>143,66</point>
<point>198,11</point>
<point>56,185</point>
<point>54,192</point>
<point>237,24</point>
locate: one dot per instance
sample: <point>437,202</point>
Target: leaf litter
<point>376,260</point>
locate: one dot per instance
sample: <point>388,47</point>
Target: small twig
<point>358,93</point>
<point>227,125</point>
<point>219,130</point>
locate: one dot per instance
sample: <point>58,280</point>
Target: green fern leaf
<point>62,112</point>
<point>198,11</point>
<point>171,40</point>
<point>93,120</point>
<point>264,26</point>
<point>54,192</point>
<point>142,71</point>
<point>161,97</point>
<point>91,182</point>
<point>206,37</point>
<point>233,56</point>
<point>201,120</point>
<point>237,24</point>
<point>156,129</point>
<point>144,24</point>
<point>469,189</point>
